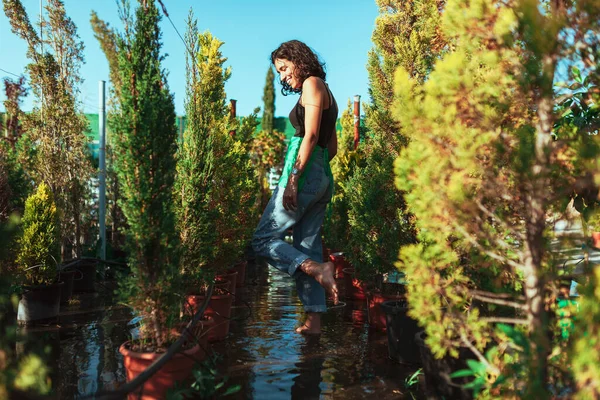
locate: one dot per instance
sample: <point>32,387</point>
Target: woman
<point>306,185</point>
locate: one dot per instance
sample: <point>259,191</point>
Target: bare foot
<point>312,326</point>
<point>324,275</point>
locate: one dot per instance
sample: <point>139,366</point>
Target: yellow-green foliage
<point>586,347</point>
<point>216,189</point>
<point>336,228</point>
<point>406,34</point>
<point>39,245</point>
<point>481,174</point>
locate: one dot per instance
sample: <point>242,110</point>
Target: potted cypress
<point>145,145</point>
<point>203,189</point>
<point>38,257</point>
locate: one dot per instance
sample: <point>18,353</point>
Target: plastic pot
<point>401,331</point>
<point>39,304</point>
<point>377,316</point>
<point>437,382</point>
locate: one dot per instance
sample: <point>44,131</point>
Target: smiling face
<point>286,70</point>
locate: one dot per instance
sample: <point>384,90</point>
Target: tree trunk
<point>534,249</point>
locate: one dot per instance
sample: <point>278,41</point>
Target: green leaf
<point>462,373</point>
<point>576,74</point>
<point>476,366</point>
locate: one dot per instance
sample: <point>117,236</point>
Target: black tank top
<point>328,120</point>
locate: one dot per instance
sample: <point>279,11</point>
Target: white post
<point>102,165</point>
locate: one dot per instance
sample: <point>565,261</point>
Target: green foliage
<point>207,383</point>
<point>145,145</point>
<point>39,245</point>
<point>336,226</point>
<point>406,34</point>
<point>215,190</point>
<point>269,101</point>
<point>56,126</point>
<point>482,174</point>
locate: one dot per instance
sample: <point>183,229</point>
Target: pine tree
<point>269,102</point>
<point>145,145</point>
<point>483,174</point>
<point>406,34</point>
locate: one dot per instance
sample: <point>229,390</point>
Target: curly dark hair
<point>305,60</point>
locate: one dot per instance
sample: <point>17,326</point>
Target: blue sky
<point>339,30</point>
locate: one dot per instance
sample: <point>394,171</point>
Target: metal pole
<point>356,121</point>
<point>102,171</point>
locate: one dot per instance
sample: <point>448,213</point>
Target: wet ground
<point>262,354</point>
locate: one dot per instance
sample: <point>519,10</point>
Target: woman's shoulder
<point>313,84</point>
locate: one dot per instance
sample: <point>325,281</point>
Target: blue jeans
<point>306,221</point>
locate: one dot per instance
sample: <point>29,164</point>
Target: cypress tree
<point>145,145</point>
<point>269,102</point>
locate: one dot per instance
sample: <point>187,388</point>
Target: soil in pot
<point>219,308</point>
<point>40,304</point>
<point>437,382</point>
<point>67,290</point>
<point>177,369</point>
<point>401,331</point>
<point>85,282</point>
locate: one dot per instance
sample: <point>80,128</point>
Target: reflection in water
<point>263,354</point>
<point>309,368</point>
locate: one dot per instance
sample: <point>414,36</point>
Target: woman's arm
<point>313,95</point>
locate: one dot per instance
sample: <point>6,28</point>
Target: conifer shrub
<point>39,244</point>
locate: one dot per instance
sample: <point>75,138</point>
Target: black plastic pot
<point>85,283</point>
<point>67,290</point>
<point>401,331</point>
<point>437,383</point>
<point>39,304</point>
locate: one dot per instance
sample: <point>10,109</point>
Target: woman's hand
<point>290,195</point>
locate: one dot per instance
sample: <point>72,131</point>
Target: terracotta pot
<point>359,317</point>
<point>326,253</point>
<point>177,369</point>
<point>200,333</point>
<point>340,263</point>
<point>223,284</point>
<point>230,277</point>
<point>596,239</point>
<point>354,288</point>
<point>377,318</point>
<point>240,268</point>
<point>219,308</point>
